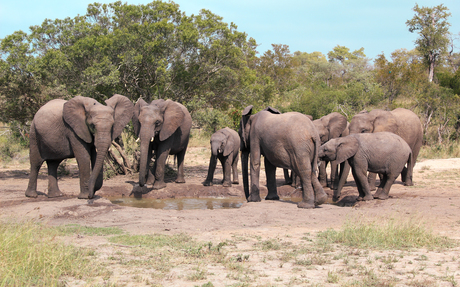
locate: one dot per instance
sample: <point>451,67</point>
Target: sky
<point>304,25</point>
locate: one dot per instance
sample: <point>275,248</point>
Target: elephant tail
<point>317,144</point>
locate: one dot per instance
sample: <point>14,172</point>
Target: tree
<point>395,76</point>
<point>433,29</point>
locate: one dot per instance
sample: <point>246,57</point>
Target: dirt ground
<point>435,199</point>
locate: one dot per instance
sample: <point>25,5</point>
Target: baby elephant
<point>225,146</point>
<point>383,152</point>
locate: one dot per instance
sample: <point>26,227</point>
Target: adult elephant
<point>333,125</point>
<point>225,146</point>
<point>81,128</point>
<point>163,127</point>
<point>286,140</point>
<point>402,122</point>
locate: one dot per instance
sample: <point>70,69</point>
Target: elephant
<point>225,146</point>
<point>163,127</point>
<point>80,128</point>
<point>384,152</point>
<point>331,126</point>
<point>289,141</point>
<point>400,121</point>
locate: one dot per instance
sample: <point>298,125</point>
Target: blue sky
<point>303,25</point>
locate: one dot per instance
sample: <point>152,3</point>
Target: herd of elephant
<point>383,142</point>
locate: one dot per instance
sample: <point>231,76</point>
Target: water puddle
<point>180,203</point>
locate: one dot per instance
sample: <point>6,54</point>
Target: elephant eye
<point>157,123</point>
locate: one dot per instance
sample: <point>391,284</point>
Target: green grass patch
<point>32,255</point>
<point>71,229</point>
<point>386,233</point>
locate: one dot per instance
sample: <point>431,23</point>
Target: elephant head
<point>222,143</point>
<point>98,125</point>
<point>152,122</point>
<point>339,149</point>
<point>374,121</point>
<point>330,126</point>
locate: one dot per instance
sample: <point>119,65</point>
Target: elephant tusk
<point>96,149</point>
<point>138,139</point>
<point>151,140</point>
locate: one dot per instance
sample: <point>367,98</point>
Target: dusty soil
<point>435,199</point>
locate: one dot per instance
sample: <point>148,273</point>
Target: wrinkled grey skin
<point>402,122</point>
<point>225,146</point>
<point>163,128</point>
<point>81,128</point>
<point>383,152</point>
<point>286,140</point>
<point>332,126</point>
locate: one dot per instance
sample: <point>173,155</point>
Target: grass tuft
<point>389,233</point>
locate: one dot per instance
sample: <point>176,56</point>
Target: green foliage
<point>212,120</point>
<point>14,143</point>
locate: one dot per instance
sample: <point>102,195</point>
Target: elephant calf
<point>381,152</point>
<point>225,146</point>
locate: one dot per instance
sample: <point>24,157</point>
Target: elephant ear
<point>346,148</point>
<point>74,114</point>
<point>172,119</point>
<point>243,132</point>
<point>272,110</point>
<point>136,111</point>
<point>386,123</point>
<point>336,125</point>
<point>123,110</point>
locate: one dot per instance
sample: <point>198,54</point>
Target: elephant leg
<point>334,175</point>
<point>35,163</point>
<point>270,172</point>
<point>320,195</point>
<point>344,171</point>
<point>360,176</point>
<point>295,180</point>
<point>254,194</point>
<point>53,189</point>
<point>227,171</point>
<point>287,178</point>
<point>323,173</point>
<point>308,195</point>
<point>159,169</point>
<point>235,170</point>
<point>84,167</point>
<point>211,169</point>
<point>371,180</point>
<point>180,166</point>
<point>385,185</point>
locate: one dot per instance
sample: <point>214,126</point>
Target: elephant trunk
<point>244,167</point>
<point>215,146</point>
<point>145,157</point>
<point>103,144</point>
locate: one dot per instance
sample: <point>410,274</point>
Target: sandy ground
<point>435,199</point>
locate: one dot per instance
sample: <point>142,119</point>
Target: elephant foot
<point>83,195</point>
<point>272,197</point>
<point>235,182</point>
<point>321,198</point>
<point>159,184</point>
<point>55,193</point>
<point>410,183</point>
<point>31,193</point>
<point>254,198</point>
<point>207,183</point>
<point>380,194</point>
<point>180,179</point>
<point>226,184</point>
<point>335,198</point>
<point>365,198</point>
<point>304,204</point>
<point>150,180</point>
<point>372,188</point>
